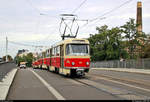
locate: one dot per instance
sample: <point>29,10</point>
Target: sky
<point>37,22</point>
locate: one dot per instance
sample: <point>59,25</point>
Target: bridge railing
<point>2,63</point>
<point>139,64</point>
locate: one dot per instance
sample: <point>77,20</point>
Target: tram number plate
<point>80,69</point>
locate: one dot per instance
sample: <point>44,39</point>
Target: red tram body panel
<point>79,62</point>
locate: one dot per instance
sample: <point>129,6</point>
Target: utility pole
<point>6,49</point>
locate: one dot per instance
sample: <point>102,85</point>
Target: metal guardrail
<point>139,64</point>
<point>3,62</point>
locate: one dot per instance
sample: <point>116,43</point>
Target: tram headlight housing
<point>87,63</point>
<point>73,63</point>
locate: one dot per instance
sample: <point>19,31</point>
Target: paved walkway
<point>141,71</point>
<point>5,85</point>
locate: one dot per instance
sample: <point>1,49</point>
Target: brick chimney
<point>139,16</point>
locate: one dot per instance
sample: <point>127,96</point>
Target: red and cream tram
<point>68,57</point>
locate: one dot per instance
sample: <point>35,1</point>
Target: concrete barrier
<point>3,62</point>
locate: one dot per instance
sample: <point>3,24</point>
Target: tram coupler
<point>80,72</point>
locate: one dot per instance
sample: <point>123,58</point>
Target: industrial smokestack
<point>139,17</point>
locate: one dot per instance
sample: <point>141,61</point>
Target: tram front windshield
<point>77,49</point>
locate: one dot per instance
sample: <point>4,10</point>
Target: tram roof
<point>72,40</point>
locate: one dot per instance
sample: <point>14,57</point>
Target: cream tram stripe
<point>50,88</point>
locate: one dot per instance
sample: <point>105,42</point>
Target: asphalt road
<point>5,68</point>
<point>27,86</point>
<point>36,84</point>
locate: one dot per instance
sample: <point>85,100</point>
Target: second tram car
<point>68,57</point>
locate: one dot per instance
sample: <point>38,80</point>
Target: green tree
<point>107,44</point>
<point>28,58</point>
<point>133,38</point>
<point>9,58</point>
<point>146,49</point>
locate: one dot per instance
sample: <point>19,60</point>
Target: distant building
<point>35,55</point>
<point>22,52</point>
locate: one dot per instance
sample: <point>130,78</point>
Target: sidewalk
<point>133,70</point>
<point>5,85</point>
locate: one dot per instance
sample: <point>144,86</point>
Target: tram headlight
<point>87,63</point>
<point>73,63</point>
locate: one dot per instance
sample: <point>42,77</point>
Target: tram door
<point>62,55</point>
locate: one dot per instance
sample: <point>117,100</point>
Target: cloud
<point>47,8</point>
<point>94,9</point>
<point>146,15</point>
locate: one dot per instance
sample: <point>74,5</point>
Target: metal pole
<point>6,49</point>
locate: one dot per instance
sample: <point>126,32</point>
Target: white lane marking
<point>124,84</point>
<point>50,88</point>
<point>5,85</point>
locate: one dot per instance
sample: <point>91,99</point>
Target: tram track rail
<point>123,80</point>
<point>118,93</point>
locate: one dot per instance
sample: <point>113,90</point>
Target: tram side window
<point>43,54</point>
<point>48,53</point>
<point>67,49</point>
<point>40,55</point>
<point>52,51</point>
<point>55,50</point>
<point>58,50</point>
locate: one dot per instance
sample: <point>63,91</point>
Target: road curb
<point>132,70</point>
<point>5,85</point>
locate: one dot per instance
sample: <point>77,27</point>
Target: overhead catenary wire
<point>41,14</point>
<point>103,16</point>
<point>26,44</point>
<point>36,9</point>
<point>112,10</point>
<point>78,6</point>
